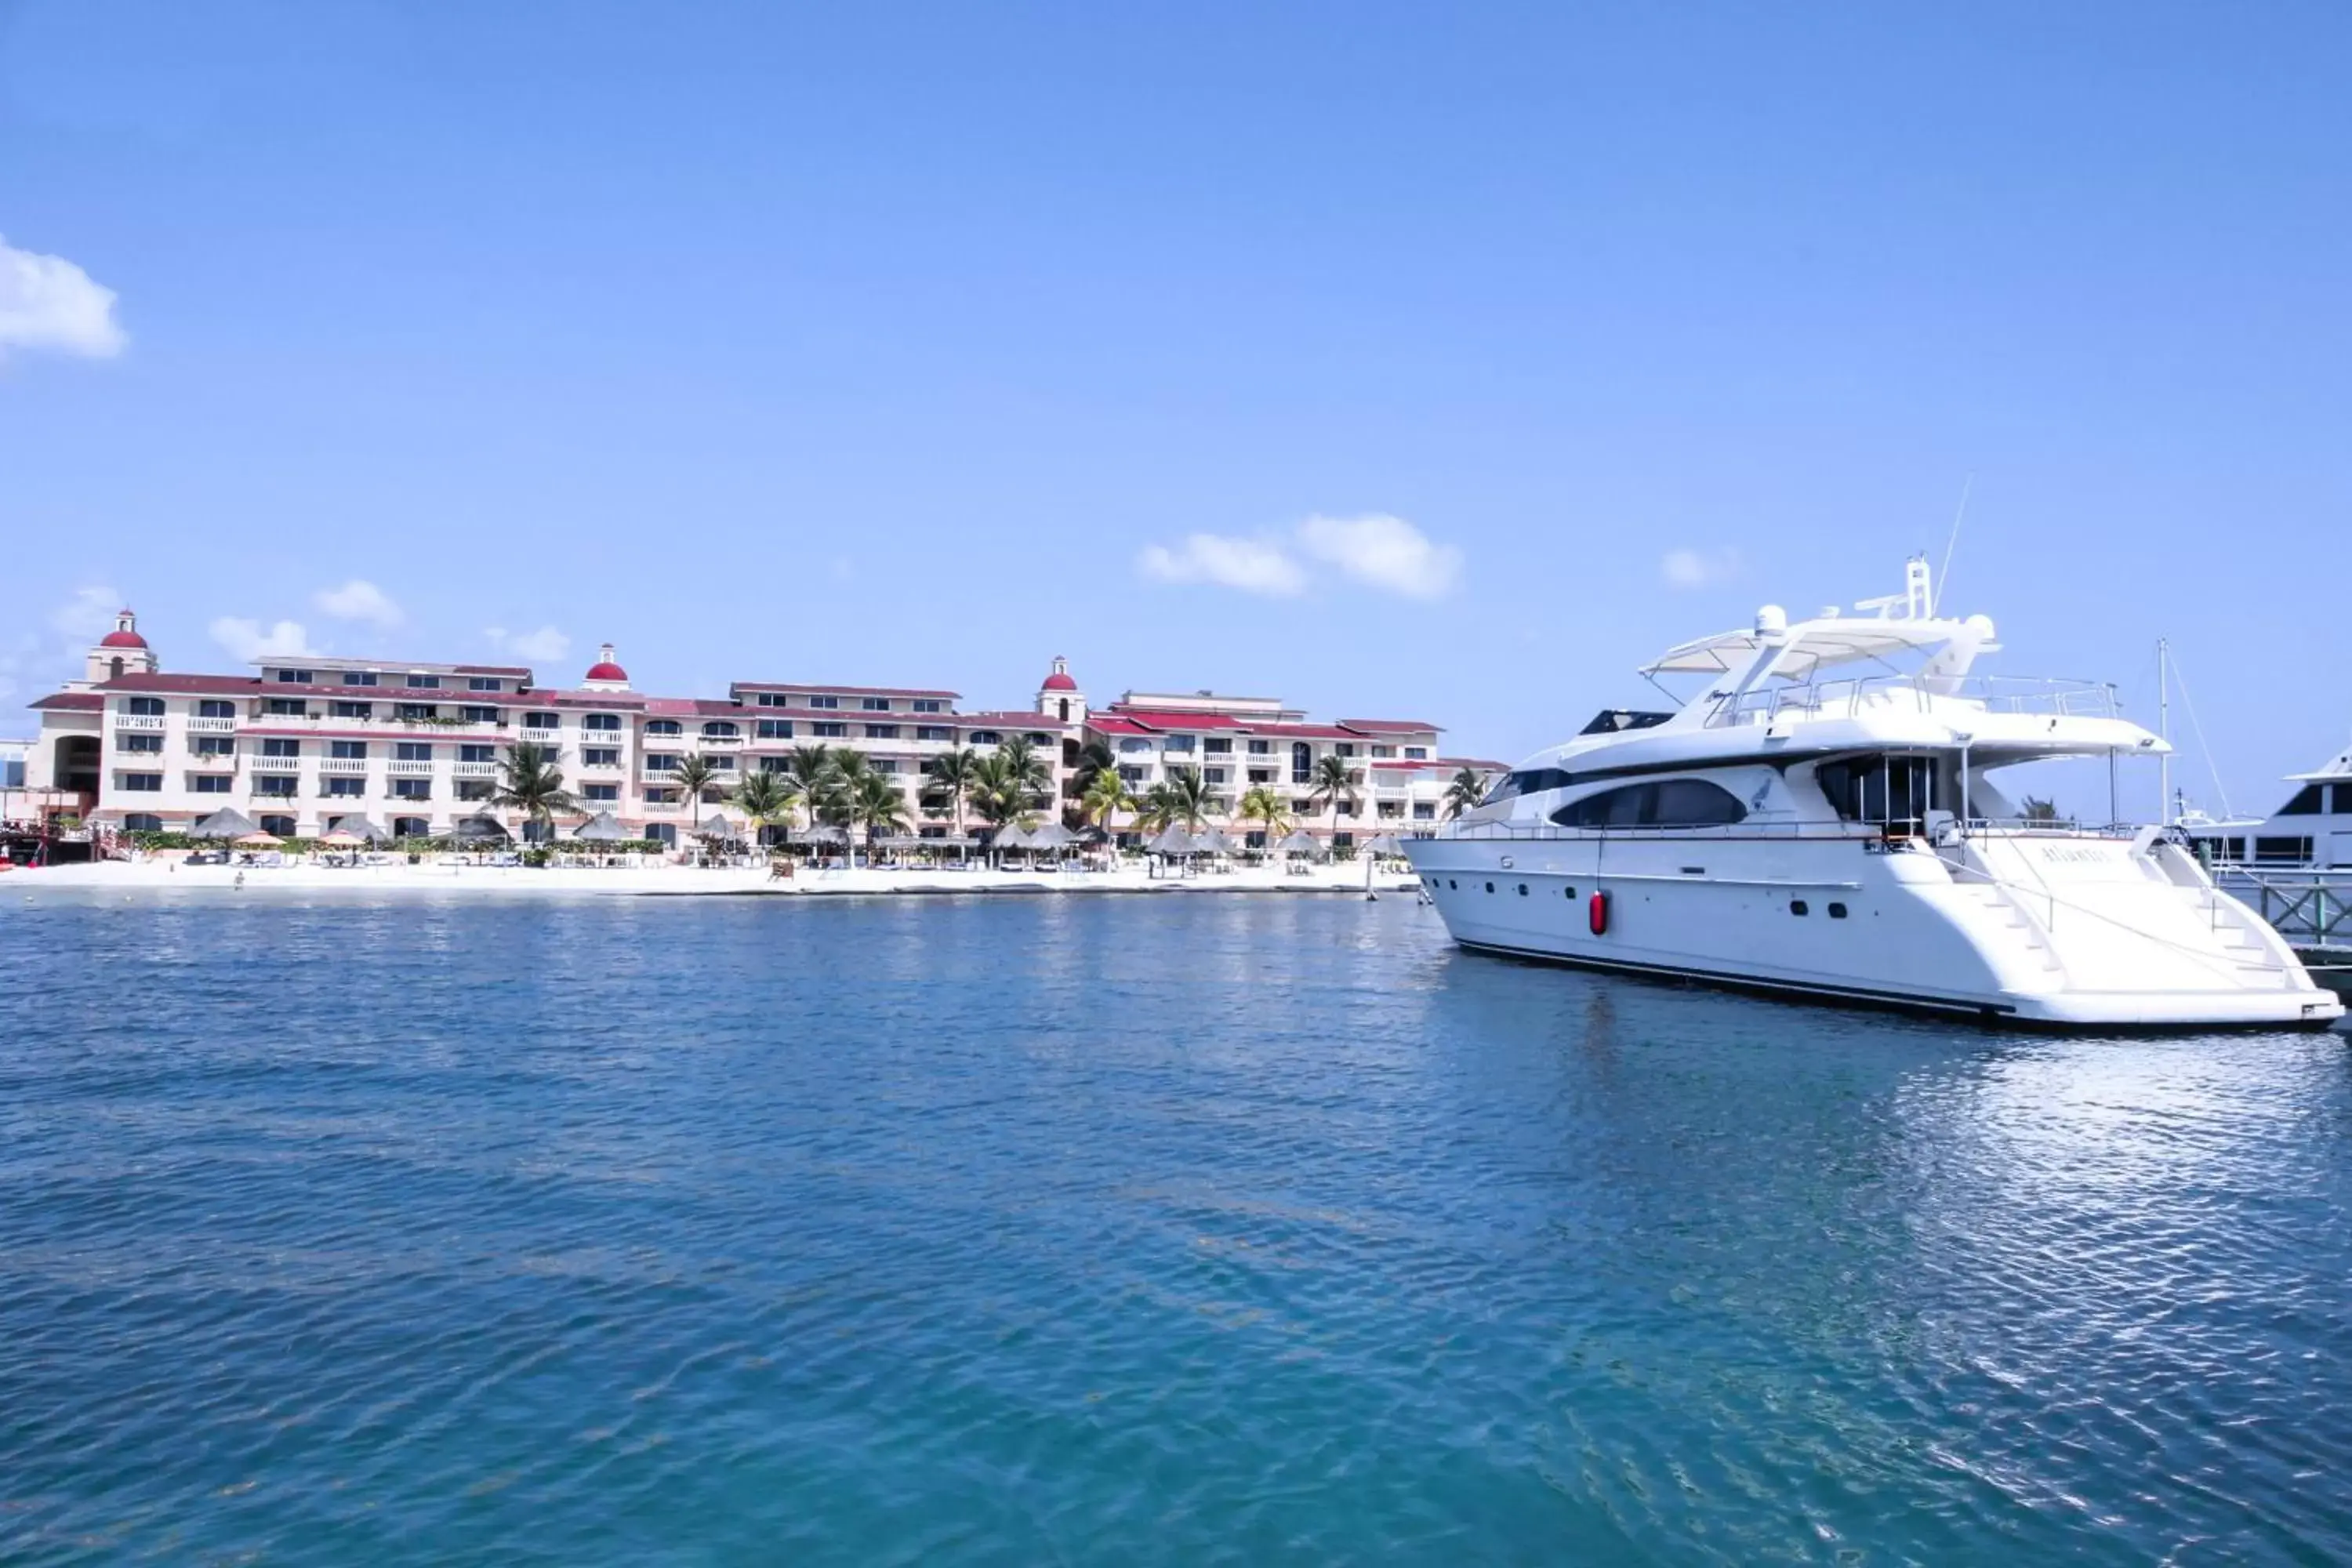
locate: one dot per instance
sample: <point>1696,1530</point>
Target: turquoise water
<point>1177,1229</point>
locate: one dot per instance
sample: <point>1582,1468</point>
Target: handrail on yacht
<point>1891,833</point>
<point>1980,693</point>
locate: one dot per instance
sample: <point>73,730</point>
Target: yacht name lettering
<point>2074,853</point>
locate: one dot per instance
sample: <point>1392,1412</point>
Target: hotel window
<point>1389,808</point>
<point>139,742</point>
<point>294,677</point>
<point>720,730</point>
<point>142,821</point>
<point>1261,776</point>
<point>146,707</point>
<point>874,704</point>
<point>276,746</point>
<point>475,789</point>
<point>343,784</point>
<point>885,764</point>
<point>600,791</point>
<point>771,700</point>
<point>347,748</point>
<point>1212,775</point>
<point>484,683</point>
<point>1424,811</point>
<point>881,731</point>
<point>663,727</point>
<point>540,721</point>
<point>411,789</point>
<point>414,710</point>
<point>660,763</point>
<point>1179,743</point>
<point>828,730</point>
<point>930,705</point>
<point>824,701</point>
<point>1302,762</point>
<point>1416,753</point>
<point>1133,744</point>
<point>288,707</point>
<point>478,753</point>
<point>661,797</point>
<point>1261,748</point>
<point>352,710</point>
<point>210,783</point>
<point>1218,746</point>
<point>720,763</point>
<point>142,783</point>
<point>771,764</point>
<point>213,745</point>
<point>985,738</point>
<point>402,826</point>
<point>478,715</point>
<point>775,729</point>
<point>933,732</point>
<point>1384,751</point>
<point>1039,738</point>
<point>281,825</point>
<point>212,709</point>
<point>359,678</point>
<point>425,683</point>
<point>412,751</point>
<point>1302,807</point>
<point>1129,775</point>
<point>280,786</point>
<point>600,721</point>
<point>598,757</point>
<point>1344,748</point>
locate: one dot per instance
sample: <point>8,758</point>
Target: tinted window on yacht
<point>1526,781</point>
<point>2286,850</point>
<point>2306,803</point>
<point>2343,807</point>
<point>1674,803</point>
<point>1612,720</point>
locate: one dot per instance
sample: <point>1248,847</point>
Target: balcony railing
<point>211,726</point>
<point>138,722</point>
<point>342,764</point>
<point>410,767</point>
<point>1850,699</point>
<point>474,770</point>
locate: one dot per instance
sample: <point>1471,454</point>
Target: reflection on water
<point>1166,1228</point>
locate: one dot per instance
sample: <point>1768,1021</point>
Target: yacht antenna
<point>1951,544</point>
<point>2189,702</point>
<point>2164,814</point>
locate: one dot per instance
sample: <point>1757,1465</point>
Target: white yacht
<point>1820,819</point>
<point>2312,832</point>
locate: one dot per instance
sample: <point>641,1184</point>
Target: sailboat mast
<point>2164,728</point>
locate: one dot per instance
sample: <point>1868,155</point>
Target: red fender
<point>1597,913</point>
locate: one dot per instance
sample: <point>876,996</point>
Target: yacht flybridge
<point>1820,819</point>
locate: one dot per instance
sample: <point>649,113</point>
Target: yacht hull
<point>2055,931</point>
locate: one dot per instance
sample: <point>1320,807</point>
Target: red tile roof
<point>1160,718</point>
<point>71,702</point>
<point>1018,719</point>
<point>1110,725</point>
<point>694,708</point>
<point>1306,731</point>
<point>1389,726</point>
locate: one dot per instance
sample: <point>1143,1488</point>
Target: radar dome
<point>1772,621</point>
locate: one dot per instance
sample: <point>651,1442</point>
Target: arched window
<point>1671,803</point>
<point>115,665</point>
<point>410,827</point>
<point>662,727</point>
<point>1302,762</point>
<point>1066,701</point>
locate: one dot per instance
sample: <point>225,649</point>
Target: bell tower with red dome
<point>1059,697</point>
<point>605,675</point>
<point>121,652</point>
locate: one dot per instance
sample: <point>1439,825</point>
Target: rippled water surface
<point>1152,1229</point>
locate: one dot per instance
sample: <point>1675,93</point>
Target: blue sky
<point>917,345</point>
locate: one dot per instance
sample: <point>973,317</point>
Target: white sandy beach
<point>133,878</point>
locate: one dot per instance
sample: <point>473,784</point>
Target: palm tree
<point>694,777</point>
<point>995,790</point>
<point>1189,797</point>
<point>1095,759</point>
<point>766,797</point>
<point>1263,804</point>
<point>530,783</point>
<point>1105,796</point>
<point>952,775</point>
<point>1029,771</point>
<point>1467,789</point>
<point>875,801</point>
<point>1334,783</point>
<point>810,768</point>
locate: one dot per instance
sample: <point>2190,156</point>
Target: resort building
<point>304,746</point>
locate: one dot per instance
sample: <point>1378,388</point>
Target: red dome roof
<point>606,669</point>
<point>123,639</point>
<point>1060,683</point>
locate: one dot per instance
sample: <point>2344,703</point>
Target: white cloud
<point>546,643</point>
<point>85,618</point>
<point>48,302</point>
<point>359,600</point>
<point>249,640</point>
<point>1687,568</point>
<point>1383,552</point>
<point>1252,565</point>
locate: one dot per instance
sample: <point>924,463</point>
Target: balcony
<point>709,742</point>
<point>342,764</point>
<point>138,722</point>
<point>613,766</point>
<point>211,726</point>
<point>474,770</point>
<point>410,767</point>
<point>545,740</point>
<point>274,787</point>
